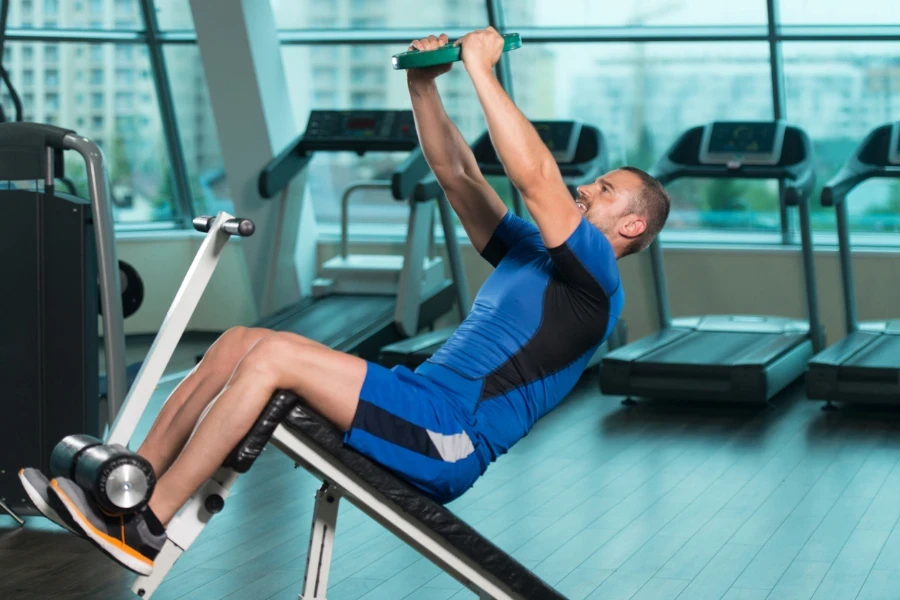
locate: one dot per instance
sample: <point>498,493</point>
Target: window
<point>124,101</point>
<point>124,77</point>
<point>643,96</point>
<point>197,130</point>
<point>79,99</point>
<point>97,76</point>
<point>124,52</point>
<point>97,54</point>
<point>51,53</point>
<point>586,13</point>
<point>174,15</point>
<point>51,101</point>
<point>367,75</point>
<point>51,77</point>
<point>325,53</point>
<point>125,6</point>
<point>27,54</point>
<point>838,92</point>
<point>97,100</point>
<point>97,123</point>
<point>63,14</point>
<point>332,86</point>
<point>838,12</point>
<point>324,76</point>
<point>325,100</point>
<point>27,77</point>
<point>367,14</point>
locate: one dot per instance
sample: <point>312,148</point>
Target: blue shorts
<point>420,426</point>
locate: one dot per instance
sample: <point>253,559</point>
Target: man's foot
<point>37,487</point>
<point>131,540</point>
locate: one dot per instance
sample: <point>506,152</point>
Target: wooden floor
<point>600,500</point>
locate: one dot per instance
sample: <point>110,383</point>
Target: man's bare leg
<point>179,415</point>
<point>328,381</point>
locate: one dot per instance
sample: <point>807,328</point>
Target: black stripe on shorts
<point>387,426</point>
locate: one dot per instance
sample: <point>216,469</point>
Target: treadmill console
<point>736,143</point>
<point>560,137</point>
<point>894,150</point>
<point>360,131</point>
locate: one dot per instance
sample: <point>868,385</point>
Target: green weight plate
<point>415,59</point>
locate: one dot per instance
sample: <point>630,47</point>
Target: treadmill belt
<point>723,348</point>
<point>882,353</point>
<point>333,319</point>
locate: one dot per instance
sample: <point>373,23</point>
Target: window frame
<point>154,39</point>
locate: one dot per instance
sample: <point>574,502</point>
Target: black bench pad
<point>304,423</point>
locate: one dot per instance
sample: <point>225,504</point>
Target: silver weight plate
<point>126,486</point>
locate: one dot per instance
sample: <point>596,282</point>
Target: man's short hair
<point>651,202</point>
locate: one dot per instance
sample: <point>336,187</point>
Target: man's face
<point>606,202</point>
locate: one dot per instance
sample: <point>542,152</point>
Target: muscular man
<point>554,296</point>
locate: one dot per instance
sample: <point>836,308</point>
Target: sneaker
<point>37,487</point>
<point>127,539</point>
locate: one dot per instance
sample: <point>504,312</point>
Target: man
<point>554,296</point>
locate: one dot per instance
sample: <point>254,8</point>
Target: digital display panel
<point>747,142</point>
<point>560,137</point>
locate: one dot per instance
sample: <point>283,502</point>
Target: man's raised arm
<point>529,165</point>
<point>476,203</point>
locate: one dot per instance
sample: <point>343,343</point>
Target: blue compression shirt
<point>535,323</point>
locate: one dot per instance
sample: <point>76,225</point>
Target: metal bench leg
<point>321,543</point>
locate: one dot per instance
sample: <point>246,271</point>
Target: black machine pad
<point>246,453</point>
<point>305,424</point>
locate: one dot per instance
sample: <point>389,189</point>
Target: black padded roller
<point>67,453</point>
<point>118,479</point>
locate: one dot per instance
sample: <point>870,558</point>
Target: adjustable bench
<point>314,444</point>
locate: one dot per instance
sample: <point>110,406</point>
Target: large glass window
<point>838,92</point>
<point>362,77</point>
<point>79,14</point>
<point>136,155</point>
<point>197,129</point>
<point>379,14</point>
<point>839,12</point>
<point>590,13</point>
<point>643,96</point>
<point>174,15</point>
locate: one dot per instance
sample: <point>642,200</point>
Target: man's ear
<point>632,226</point>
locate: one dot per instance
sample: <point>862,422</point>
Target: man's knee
<point>233,344</point>
<point>271,354</point>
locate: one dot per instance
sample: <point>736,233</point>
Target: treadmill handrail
<point>850,176</point>
<point>854,172</point>
<point>282,169</point>
<point>407,175</point>
<point>427,189</point>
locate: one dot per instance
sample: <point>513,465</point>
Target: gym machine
<point>58,249</point>
<point>864,366</point>
<point>363,302</point>
<point>727,358</point>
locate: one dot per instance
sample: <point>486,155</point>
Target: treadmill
<point>726,358</point>
<point>581,152</point>
<point>360,303</point>
<point>863,367</point>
